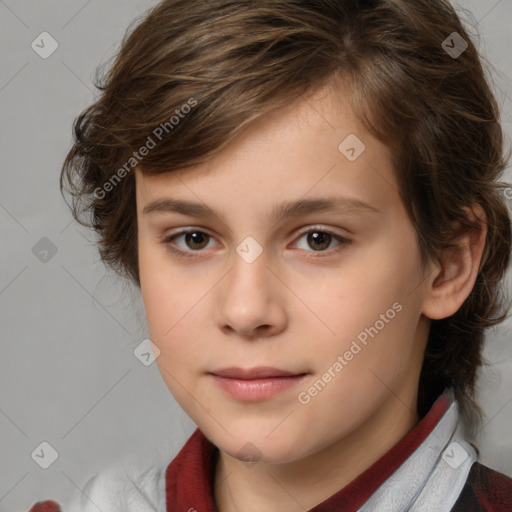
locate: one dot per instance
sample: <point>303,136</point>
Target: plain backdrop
<point>68,374</point>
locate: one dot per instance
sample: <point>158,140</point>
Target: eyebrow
<point>280,212</point>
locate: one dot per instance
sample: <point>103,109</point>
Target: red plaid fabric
<point>46,506</point>
<point>486,490</point>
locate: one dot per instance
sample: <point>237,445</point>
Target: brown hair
<point>230,61</point>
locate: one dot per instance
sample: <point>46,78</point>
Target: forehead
<point>314,146</point>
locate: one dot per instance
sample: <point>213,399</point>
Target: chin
<point>252,443</point>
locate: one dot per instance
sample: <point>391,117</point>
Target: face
<point>283,329</point>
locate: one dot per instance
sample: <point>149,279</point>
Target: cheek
<point>165,293</point>
<point>174,312</point>
<point>374,303</point>
<point>367,286</point>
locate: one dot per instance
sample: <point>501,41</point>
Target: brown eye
<point>192,243</point>
<point>196,239</point>
<point>319,240</point>
<point>188,243</point>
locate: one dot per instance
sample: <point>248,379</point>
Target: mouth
<point>255,384</point>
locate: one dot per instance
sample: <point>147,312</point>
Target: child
<point>306,194</point>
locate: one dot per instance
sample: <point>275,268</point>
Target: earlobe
<point>452,282</point>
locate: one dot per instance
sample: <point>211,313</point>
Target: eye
<point>193,240</point>
<point>320,239</point>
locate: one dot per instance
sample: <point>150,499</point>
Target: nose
<point>251,300</point>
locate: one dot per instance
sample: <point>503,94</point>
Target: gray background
<point>68,374</point>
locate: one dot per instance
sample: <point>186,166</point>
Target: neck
<point>300,485</point>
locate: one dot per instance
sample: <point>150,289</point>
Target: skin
<point>294,307</point>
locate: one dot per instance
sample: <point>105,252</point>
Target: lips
<point>260,372</point>
<point>255,384</point>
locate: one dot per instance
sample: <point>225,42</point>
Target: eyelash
<point>167,241</point>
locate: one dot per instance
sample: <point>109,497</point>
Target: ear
<point>451,283</point>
